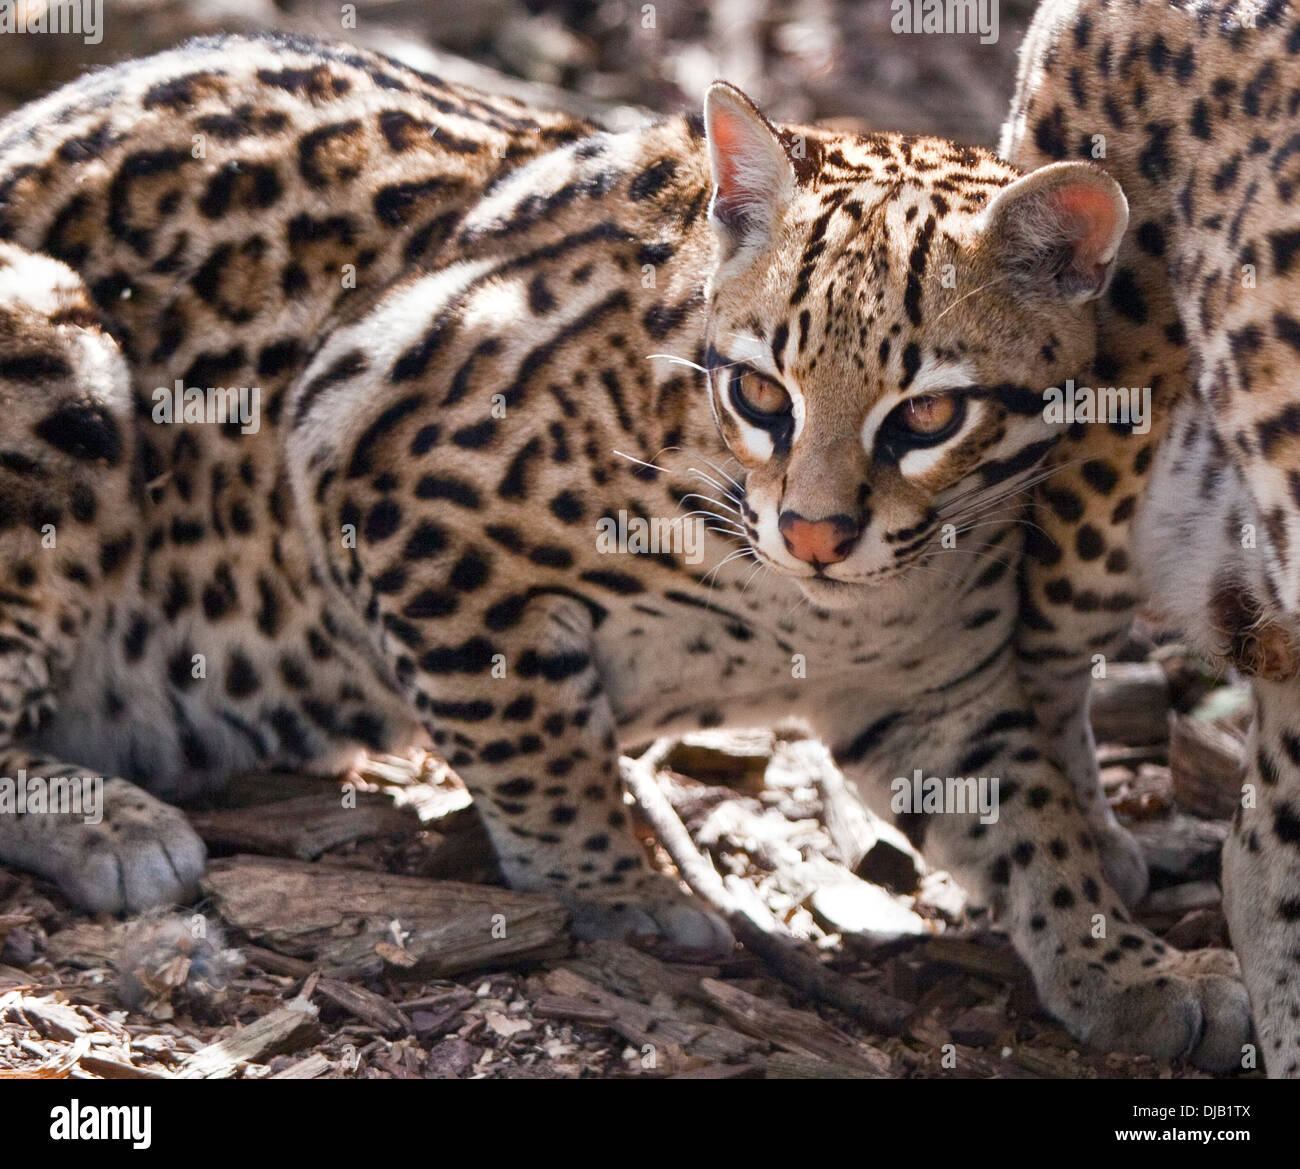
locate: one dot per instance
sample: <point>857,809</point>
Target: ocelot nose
<point>818,542</point>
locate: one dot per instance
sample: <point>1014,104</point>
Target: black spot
<point>241,677</point>
<point>651,180</point>
<point>395,203</point>
<point>180,668</point>
<point>568,507</point>
<point>1100,476</point>
<point>134,641</point>
<point>1286,823</point>
<point>113,553</point>
<point>426,541</point>
<point>1285,245</point>
<point>476,436</point>
<point>81,431</point>
<point>1126,297</point>
<point>382,520</point>
<point>514,483</point>
<point>430,603</point>
<point>520,709</point>
<point>1049,133</point>
<point>1088,542</point>
<point>425,438</point>
<point>473,656</point>
<point>471,572</point>
<point>1151,238</point>
<point>362,461</point>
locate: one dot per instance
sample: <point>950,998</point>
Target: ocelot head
<point>884,319</point>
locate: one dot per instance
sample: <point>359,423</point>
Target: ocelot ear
<point>753,179</point>
<point>1056,232</point>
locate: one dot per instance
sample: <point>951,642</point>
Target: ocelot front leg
<point>522,716</point>
<point>505,675</point>
<point>1111,982</point>
<point>1079,591</point>
<point>66,542</point>
<point>1080,588</point>
<point>528,726</point>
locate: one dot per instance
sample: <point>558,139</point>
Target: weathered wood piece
<point>799,1031</point>
<point>287,1029</point>
<point>657,1026</point>
<point>360,923</point>
<point>735,759</point>
<point>308,1068</point>
<point>1130,704</point>
<point>1207,764</point>
<point>303,827</point>
<point>365,1005</point>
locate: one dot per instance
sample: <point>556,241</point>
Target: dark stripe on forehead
<point>911,364</point>
<point>779,338</point>
<point>916,270</point>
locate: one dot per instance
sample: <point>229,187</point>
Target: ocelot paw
<point>654,916</point>
<point>1186,1006</point>
<point>141,855</point>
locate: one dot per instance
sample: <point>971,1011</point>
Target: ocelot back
<point>483,338</point>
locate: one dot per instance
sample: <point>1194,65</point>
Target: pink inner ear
<point>1092,215</point>
<point>731,139</point>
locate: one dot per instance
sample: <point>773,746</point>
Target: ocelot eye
<point>928,419</point>
<point>757,397</point>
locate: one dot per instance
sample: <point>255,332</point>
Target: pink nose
<point>818,542</point>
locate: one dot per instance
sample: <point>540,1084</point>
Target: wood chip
<point>795,1065</point>
<point>752,923</point>
<point>283,1030</point>
<point>364,1004</point>
<point>1207,764</point>
<point>794,1030</point>
<point>735,759</point>
<point>1130,704</point>
<point>274,963</point>
<point>558,1006</point>
<point>54,1020</point>
<point>505,1026</point>
<point>843,903</point>
<point>999,964</point>
<point>659,1027</point>
<point>117,1069</point>
<point>305,1069</point>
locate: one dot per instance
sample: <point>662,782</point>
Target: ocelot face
<point>884,320</point>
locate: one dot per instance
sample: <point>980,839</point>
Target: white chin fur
<point>833,594</point>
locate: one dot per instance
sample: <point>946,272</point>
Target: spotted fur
<point>542,326</point>
<point>1196,107</point>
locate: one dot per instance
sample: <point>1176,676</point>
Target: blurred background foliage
<point>611,60</point>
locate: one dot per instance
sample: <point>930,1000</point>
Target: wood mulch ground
<point>356,931</point>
